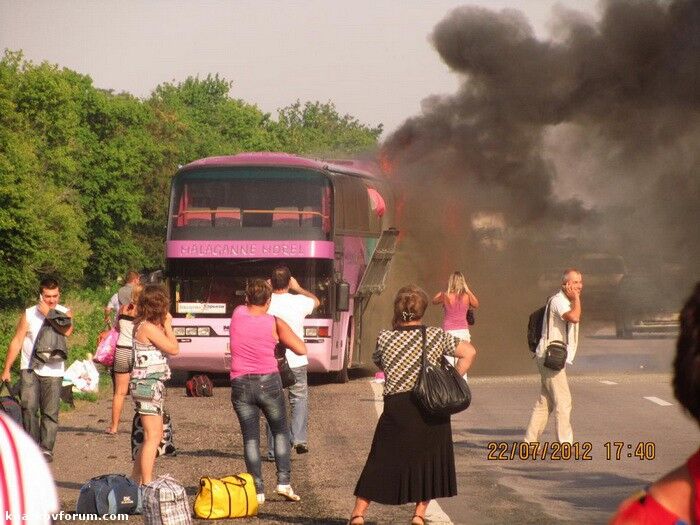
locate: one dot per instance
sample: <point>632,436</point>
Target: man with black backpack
<point>556,348</point>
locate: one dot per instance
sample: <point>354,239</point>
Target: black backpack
<point>109,494</point>
<point>534,326</point>
<point>9,403</point>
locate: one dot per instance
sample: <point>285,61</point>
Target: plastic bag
<point>106,347</point>
<point>83,375</point>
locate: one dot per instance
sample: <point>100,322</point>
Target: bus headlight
<point>203,331</point>
<point>191,330</point>
<point>179,331</point>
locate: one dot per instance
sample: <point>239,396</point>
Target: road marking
<point>434,513</point>
<point>658,401</point>
<point>606,382</point>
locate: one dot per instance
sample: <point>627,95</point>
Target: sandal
<point>358,517</point>
<point>416,517</point>
<point>110,432</point>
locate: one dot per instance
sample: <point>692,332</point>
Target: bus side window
<point>352,206</point>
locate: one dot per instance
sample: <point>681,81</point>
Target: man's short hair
<point>130,276</point>
<point>565,275</point>
<point>47,283</point>
<point>280,278</point>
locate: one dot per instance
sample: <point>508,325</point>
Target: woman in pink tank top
<point>256,385</point>
<point>455,302</point>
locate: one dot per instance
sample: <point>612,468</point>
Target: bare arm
<point>438,298</point>
<point>294,286</point>
<point>573,315</point>
<point>465,354</point>
<point>164,340</point>
<point>15,346</point>
<point>473,300</point>
<point>288,338</point>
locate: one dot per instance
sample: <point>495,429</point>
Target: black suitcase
<point>166,446</point>
<point>9,403</point>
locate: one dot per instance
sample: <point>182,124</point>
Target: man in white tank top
<point>41,383</point>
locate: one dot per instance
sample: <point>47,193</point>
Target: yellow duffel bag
<point>229,497</point>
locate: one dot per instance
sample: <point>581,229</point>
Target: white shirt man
<point>561,324</point>
<point>292,308</point>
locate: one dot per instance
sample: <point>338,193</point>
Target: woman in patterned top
<point>411,459</point>
<point>675,498</point>
<point>153,339</point>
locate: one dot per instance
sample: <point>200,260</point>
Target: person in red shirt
<point>675,498</point>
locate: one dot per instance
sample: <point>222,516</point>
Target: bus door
<point>373,282</point>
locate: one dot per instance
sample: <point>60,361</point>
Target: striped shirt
<point>399,353</point>
<point>27,490</point>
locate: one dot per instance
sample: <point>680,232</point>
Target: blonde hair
<point>457,284</point>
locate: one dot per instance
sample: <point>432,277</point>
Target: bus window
<point>351,205</point>
<point>251,203</point>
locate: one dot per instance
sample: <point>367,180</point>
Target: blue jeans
<point>39,393</point>
<point>249,395</point>
<point>299,402</point>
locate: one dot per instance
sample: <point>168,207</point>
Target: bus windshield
<point>215,288</point>
<point>250,203</point>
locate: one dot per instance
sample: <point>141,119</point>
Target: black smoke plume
<point>588,141</point>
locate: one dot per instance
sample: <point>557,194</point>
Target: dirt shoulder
<point>208,440</point>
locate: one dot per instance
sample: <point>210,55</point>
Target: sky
<point>372,58</point>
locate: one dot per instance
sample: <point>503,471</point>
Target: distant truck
<point>640,302</point>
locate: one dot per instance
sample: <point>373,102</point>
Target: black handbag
<point>471,319</point>
<point>440,390</point>
<point>286,374</point>
<point>555,355</point>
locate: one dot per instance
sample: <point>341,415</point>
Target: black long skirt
<point>411,458</point>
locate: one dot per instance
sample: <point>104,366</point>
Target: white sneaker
<point>287,492</point>
<point>261,498</point>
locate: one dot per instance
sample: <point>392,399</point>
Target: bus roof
<point>352,167</point>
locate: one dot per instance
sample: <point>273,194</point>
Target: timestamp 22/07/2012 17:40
<point>576,451</point>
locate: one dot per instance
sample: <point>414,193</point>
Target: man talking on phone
<point>40,382</point>
<point>560,324</point>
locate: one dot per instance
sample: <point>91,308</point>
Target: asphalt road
<point>611,384</point>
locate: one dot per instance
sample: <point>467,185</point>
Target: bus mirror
<point>342,296</point>
<point>153,277</point>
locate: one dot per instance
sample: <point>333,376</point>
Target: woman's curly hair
<point>153,304</point>
<point>686,365</point>
<point>258,292</point>
<point>409,304</point>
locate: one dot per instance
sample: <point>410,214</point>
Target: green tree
<point>318,128</point>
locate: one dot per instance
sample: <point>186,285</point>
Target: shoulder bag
<point>555,353</point>
<point>440,390</point>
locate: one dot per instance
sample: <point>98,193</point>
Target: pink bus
<point>235,218</point>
